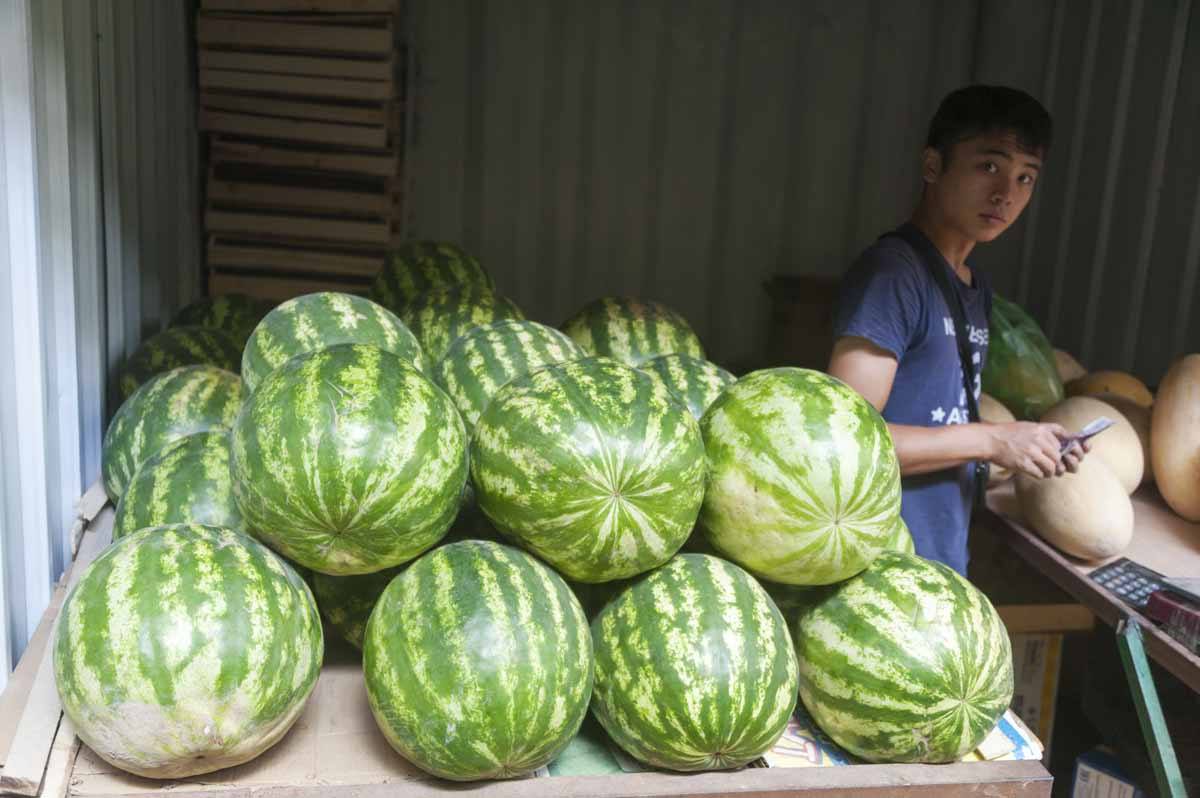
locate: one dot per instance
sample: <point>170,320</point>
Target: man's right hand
<point>1034,449</point>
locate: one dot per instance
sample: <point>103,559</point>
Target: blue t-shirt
<point>890,298</point>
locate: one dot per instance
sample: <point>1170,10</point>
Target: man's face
<point>985,186</point>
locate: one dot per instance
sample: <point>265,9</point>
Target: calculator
<point>1129,581</point>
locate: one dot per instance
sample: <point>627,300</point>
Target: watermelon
<point>902,539</point>
<point>478,662</point>
<point>175,347</point>
<point>906,662</point>
<point>348,460</point>
<point>592,465</point>
<point>694,667</point>
<point>186,649</point>
<point>803,479</point>
<point>485,359</point>
<point>236,314</point>
<point>437,317</point>
<point>419,266</point>
<point>696,382</point>
<point>632,330</point>
<point>170,406</point>
<point>316,321</point>
<point>186,482</point>
<point>347,601</point>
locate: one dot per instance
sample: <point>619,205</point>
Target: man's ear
<point>931,165</point>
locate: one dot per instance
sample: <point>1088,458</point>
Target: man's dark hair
<point>979,110</point>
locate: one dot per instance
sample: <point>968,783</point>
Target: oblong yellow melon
<point>1118,446</point>
<point>1118,382</point>
<point>1175,437</point>
<point>1086,514</point>
<point>1139,418</point>
<point>991,411</point>
<point>1068,367</point>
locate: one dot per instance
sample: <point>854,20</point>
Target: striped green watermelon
<point>186,482</point>
<point>591,464</point>
<point>419,266</point>
<point>632,330</point>
<point>694,667</point>
<point>485,359</point>
<point>437,317</point>
<point>316,321</point>
<point>696,382</point>
<point>902,539</point>
<point>348,460</point>
<point>184,650</point>
<point>347,601</point>
<point>803,480</point>
<point>175,347</point>
<point>170,406</point>
<point>478,662</point>
<point>236,314</point>
<point>906,662</point>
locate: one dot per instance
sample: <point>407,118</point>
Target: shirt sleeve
<point>882,299</point>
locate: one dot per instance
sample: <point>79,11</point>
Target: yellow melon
<point>991,411</point>
<point>1117,446</point>
<point>1068,367</point>
<point>1086,514</point>
<point>1175,437</point>
<point>1118,382</point>
<point>1139,418</point>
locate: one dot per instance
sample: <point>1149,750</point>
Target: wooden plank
<point>298,227</point>
<point>248,256</point>
<point>291,130</point>
<point>328,6</point>
<point>25,764</point>
<point>266,106</point>
<point>360,69</point>
<point>266,195</point>
<point>278,288</point>
<point>223,150</point>
<point>1038,618</point>
<point>304,85</point>
<point>292,36</point>
<point>62,759</point>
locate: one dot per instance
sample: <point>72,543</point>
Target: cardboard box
<point>1036,663</point>
<point>1099,775</point>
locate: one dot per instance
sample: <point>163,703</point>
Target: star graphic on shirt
<point>939,415</point>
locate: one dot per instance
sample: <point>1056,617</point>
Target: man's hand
<point>1033,448</point>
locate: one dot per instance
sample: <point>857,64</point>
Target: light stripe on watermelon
<point>175,347</point>
<point>803,479</point>
<point>592,465</point>
<point>316,321</point>
<point>419,266</point>
<point>478,662</point>
<point>186,649</point>
<point>168,407</point>
<point>236,314</point>
<point>187,482</point>
<point>485,359</point>
<point>348,460</point>
<point>694,667</point>
<point>696,382</point>
<point>632,330</point>
<point>437,317</point>
<point>906,662</point>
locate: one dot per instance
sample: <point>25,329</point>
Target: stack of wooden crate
<point>302,102</point>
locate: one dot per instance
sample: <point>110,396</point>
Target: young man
<point>894,334</point>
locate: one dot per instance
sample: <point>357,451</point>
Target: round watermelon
<point>347,601</point>
<point>591,464</point>
<point>437,317</point>
<point>803,480</point>
<point>902,539</point>
<point>348,460</point>
<point>419,266</point>
<point>168,407</point>
<point>187,482</point>
<point>236,314</point>
<point>184,650</point>
<point>906,662</point>
<point>317,321</point>
<point>485,359</point>
<point>694,667</point>
<point>696,382</point>
<point>632,330</point>
<point>175,347</point>
<point>478,662</point>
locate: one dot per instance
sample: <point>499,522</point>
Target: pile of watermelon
<point>514,524</point>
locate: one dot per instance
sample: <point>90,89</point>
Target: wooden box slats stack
<point>302,102</point>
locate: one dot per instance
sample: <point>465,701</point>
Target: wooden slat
<point>377,70</point>
<point>278,288</point>
<point>223,150</point>
<point>1039,618</point>
<point>264,195</point>
<point>329,6</point>
<point>292,130</point>
<point>296,227</point>
<point>249,256</point>
<point>303,85</point>
<point>292,36</point>
<point>292,109</point>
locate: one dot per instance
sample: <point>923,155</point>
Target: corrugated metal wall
<point>689,150</point>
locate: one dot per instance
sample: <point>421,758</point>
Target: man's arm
<point>1032,448</point>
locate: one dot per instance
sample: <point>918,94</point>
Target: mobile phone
<point>1091,430</point>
